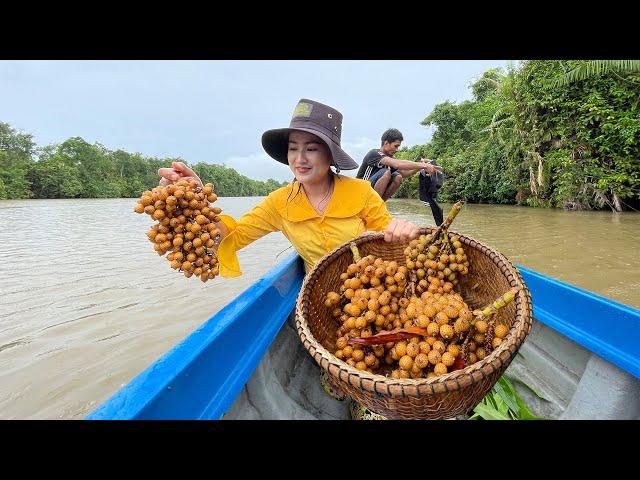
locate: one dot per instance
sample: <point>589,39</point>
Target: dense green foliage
<point>595,68</point>
<point>527,138</point>
<point>76,169</point>
<point>16,151</point>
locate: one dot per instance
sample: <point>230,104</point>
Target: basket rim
<point>498,359</point>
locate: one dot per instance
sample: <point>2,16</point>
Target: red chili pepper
<point>392,336</point>
<point>459,363</point>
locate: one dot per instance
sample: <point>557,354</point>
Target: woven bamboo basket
<point>446,396</point>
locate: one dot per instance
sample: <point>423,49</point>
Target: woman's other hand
<point>400,231</point>
<point>177,172</point>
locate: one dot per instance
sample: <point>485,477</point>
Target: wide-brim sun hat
<point>312,117</point>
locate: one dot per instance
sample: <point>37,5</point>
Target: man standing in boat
<point>385,172</point>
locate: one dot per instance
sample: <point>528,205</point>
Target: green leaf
<point>503,403</point>
<point>537,394</point>
<point>594,68</point>
<point>524,413</point>
<point>502,406</point>
<point>489,413</point>
<point>490,400</point>
<point>508,395</point>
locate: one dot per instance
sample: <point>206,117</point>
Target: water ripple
<point>88,273</point>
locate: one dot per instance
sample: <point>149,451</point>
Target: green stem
<point>493,308</point>
<point>455,209</point>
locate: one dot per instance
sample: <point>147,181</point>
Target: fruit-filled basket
<point>448,317</point>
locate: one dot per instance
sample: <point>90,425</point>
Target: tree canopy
<point>530,137</point>
<point>77,169</point>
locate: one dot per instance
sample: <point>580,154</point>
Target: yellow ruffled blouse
<point>354,208</point>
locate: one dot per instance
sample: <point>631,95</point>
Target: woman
<point>320,209</point>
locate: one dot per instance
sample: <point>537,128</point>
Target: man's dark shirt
<point>371,164</point>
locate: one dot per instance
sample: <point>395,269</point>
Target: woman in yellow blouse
<point>320,209</point>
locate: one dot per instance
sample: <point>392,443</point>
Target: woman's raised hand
<point>177,172</point>
<point>400,231</point>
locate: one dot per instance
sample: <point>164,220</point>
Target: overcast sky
<point>216,111</point>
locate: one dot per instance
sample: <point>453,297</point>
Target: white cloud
<point>259,166</point>
<point>357,149</point>
<point>360,143</point>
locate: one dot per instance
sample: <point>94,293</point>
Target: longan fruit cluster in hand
<point>186,226</point>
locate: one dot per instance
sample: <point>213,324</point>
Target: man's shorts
<point>376,176</point>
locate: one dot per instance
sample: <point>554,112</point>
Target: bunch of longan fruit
<point>437,264</point>
<point>186,226</point>
<point>435,330</point>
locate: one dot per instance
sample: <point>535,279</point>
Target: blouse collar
<point>347,200</point>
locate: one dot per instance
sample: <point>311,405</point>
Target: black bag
<point>430,183</point>
<point>438,179</point>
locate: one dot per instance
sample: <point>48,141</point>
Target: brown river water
<point>86,304</point>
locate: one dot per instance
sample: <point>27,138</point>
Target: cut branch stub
<point>493,308</point>
<point>355,251</point>
<point>444,226</point>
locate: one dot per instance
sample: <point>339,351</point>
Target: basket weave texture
<point>446,396</point>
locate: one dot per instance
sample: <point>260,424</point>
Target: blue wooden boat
<point>582,357</point>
